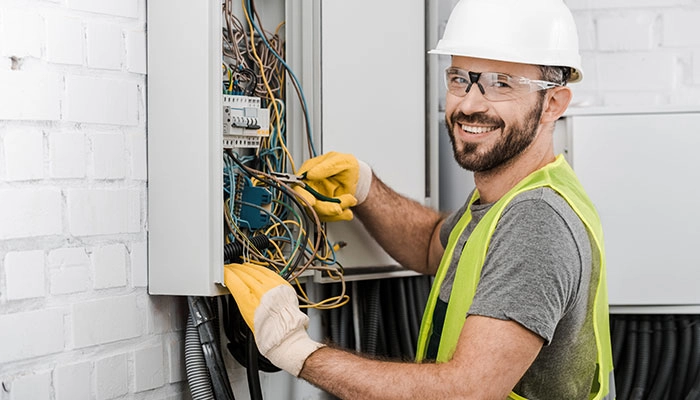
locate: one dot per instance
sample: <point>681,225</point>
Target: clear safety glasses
<point>495,86</point>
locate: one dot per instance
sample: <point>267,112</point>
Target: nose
<point>473,100</point>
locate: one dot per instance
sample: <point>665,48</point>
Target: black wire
<point>253,372</point>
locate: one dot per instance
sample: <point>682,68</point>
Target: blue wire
<point>301,91</point>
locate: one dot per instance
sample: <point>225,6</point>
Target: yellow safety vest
<point>559,176</point>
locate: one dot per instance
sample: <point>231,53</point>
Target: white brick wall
<point>75,318</point>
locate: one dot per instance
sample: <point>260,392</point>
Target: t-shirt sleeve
<point>532,269</point>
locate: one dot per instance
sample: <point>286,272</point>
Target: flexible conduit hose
<point>411,309</point>
<point>656,345</point>
<point>692,380</point>
<point>643,359</point>
<point>659,387</point>
<point>234,250</point>
<point>372,316</point>
<point>685,342</point>
<point>195,366</point>
<point>402,316</point>
<point>334,313</point>
<point>618,340</point>
<point>204,320</point>
<point>253,372</point>
<point>628,371</point>
<point>392,333</point>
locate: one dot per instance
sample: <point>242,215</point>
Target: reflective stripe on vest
<point>558,176</point>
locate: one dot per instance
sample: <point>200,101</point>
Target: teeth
<point>478,129</point>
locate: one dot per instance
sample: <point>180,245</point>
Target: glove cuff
<point>364,182</point>
<point>291,354</point>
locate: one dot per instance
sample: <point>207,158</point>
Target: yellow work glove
<point>270,307</point>
<point>339,176</point>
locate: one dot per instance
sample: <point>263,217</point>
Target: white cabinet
<point>642,169</point>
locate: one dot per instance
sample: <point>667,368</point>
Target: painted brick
<point>136,51</point>
<point>109,266</point>
<point>31,387</point>
<point>111,377</point>
<point>67,155</point>
<point>72,382</point>
<point>99,212</point>
<point>69,280</point>
<point>24,274</point>
<point>101,101</point>
<point>24,149</point>
<point>108,156</point>
<point>34,95</point>
<point>642,71</point>
<point>105,320</point>
<point>626,32</point>
<point>68,257</point>
<point>176,360</point>
<point>65,38</point>
<point>29,212</point>
<point>139,264</point>
<point>121,8</point>
<point>632,99</point>
<point>20,343</point>
<point>148,368</point>
<point>681,28</point>
<point>22,33</point>
<point>105,46</point>
<point>137,148</point>
<point>586,31</point>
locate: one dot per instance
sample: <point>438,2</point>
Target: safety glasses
<point>495,86</point>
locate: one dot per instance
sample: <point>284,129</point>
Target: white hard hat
<point>541,32</point>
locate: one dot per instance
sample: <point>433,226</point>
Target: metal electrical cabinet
<point>641,168</point>
<point>363,69</point>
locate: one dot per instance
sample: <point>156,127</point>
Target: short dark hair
<point>555,74</point>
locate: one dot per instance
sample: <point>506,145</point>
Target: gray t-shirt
<point>538,272</point>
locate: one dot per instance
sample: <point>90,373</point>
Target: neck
<point>495,183</point>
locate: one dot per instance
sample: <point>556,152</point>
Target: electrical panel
<point>228,114</point>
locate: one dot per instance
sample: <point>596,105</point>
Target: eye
<point>457,80</point>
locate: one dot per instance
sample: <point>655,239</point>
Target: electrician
<point>519,304</point>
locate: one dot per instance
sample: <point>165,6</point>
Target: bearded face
<point>509,139</point>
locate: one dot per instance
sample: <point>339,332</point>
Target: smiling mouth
<point>475,130</point>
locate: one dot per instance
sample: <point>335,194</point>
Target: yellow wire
<point>267,86</point>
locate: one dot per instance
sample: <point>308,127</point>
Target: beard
<point>513,141</point>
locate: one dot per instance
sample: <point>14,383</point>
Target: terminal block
<point>245,122</point>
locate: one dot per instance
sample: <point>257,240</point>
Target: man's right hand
<point>339,176</point>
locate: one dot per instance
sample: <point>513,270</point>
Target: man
<point>519,305</point>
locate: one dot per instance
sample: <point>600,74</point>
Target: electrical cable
<point>661,382</point>
<point>643,358</point>
<point>203,320</point>
<point>195,365</point>
<point>685,342</point>
<point>407,346</point>
<point>694,364</point>
<point>253,371</point>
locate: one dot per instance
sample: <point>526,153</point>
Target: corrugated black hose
<point>693,376</point>
<point>372,316</point>
<point>402,317</point>
<point>392,333</point>
<point>643,359</point>
<point>618,341</point>
<point>657,337</point>
<point>627,374</point>
<point>411,307</point>
<point>685,343</point>
<point>663,377</point>
<point>203,320</point>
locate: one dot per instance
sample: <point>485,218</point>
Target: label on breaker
<point>245,122</point>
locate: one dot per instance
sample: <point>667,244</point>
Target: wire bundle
<point>656,357</point>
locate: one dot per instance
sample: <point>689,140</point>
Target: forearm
<point>405,228</point>
<point>349,376</point>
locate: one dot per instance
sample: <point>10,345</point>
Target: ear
<point>555,103</point>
